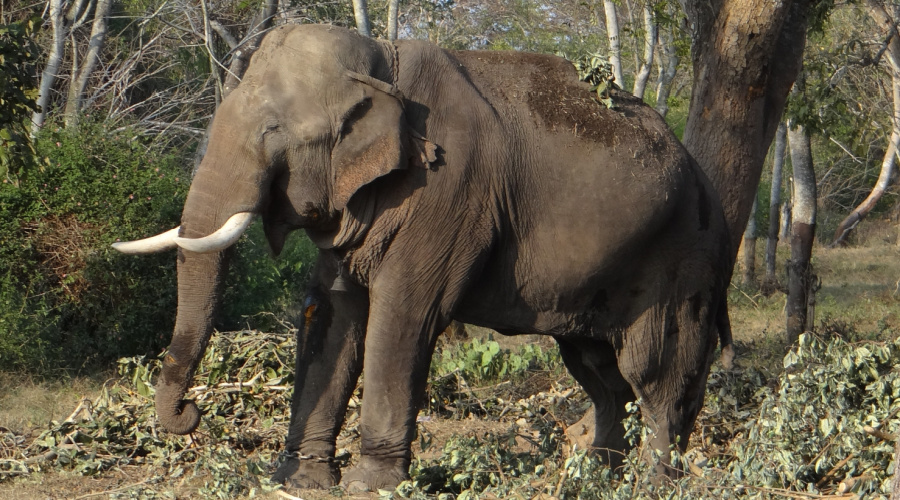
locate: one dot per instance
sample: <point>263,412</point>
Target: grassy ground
<point>858,299</point>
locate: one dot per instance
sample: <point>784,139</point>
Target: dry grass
<point>859,294</point>
<point>28,404</point>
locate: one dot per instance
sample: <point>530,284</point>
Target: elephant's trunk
<point>200,278</point>
<point>227,184</point>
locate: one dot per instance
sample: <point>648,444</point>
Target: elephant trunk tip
<point>182,420</point>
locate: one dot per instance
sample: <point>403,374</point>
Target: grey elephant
<point>484,187</point>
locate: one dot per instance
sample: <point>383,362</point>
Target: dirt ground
<point>860,290</point>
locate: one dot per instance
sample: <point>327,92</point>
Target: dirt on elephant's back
<point>550,88</point>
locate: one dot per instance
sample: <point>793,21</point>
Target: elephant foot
<point>373,474</point>
<point>311,473</point>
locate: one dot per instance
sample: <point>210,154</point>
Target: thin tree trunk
<point>612,32</point>
<point>748,247</point>
<point>393,19</point>
<point>746,55</point>
<point>361,13</point>
<point>81,75</point>
<point>786,216</point>
<point>51,71</point>
<point>887,21</point>
<point>651,31</point>
<point>770,282</point>
<point>211,52</point>
<point>668,67</point>
<point>803,229</point>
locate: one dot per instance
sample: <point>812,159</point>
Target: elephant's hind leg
<point>593,364</point>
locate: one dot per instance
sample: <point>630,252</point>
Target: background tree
<point>770,281</point>
<point>803,227</point>
<point>885,16</point>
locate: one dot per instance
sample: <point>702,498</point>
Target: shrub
<point>67,299</point>
<point>65,296</point>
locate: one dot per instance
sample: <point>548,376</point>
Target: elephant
<point>486,187</point>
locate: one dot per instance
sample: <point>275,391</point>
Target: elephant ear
<point>373,140</point>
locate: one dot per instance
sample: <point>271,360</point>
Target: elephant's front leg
<point>329,361</point>
<point>399,344</point>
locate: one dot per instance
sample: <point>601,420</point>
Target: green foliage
<point>598,72</point>
<point>258,283</point>
<point>67,300</point>
<point>482,362</point>
<point>18,55</point>
<point>65,294</point>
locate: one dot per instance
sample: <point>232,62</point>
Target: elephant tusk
<point>223,238</point>
<point>153,244</point>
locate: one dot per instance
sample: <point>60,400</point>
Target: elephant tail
<point>723,325</point>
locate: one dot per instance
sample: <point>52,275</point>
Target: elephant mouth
<point>219,240</point>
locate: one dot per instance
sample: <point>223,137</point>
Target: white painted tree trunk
<point>612,32</point>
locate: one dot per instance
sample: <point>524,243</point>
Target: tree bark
<point>770,282</point>
<point>80,75</point>
<point>888,23</point>
<point>651,30</point>
<point>746,55</point>
<point>361,12</point>
<point>612,33</point>
<point>803,227</point>
<point>748,277</point>
<point>393,19</point>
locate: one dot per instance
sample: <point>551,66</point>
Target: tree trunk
<point>748,278</point>
<point>211,52</point>
<point>803,229</point>
<point>361,12</point>
<point>786,215</point>
<point>54,60</point>
<point>770,282</point>
<point>888,23</point>
<point>651,30</point>
<point>81,75</point>
<point>668,66</point>
<point>746,55</point>
<point>393,19</point>
<point>612,32</point>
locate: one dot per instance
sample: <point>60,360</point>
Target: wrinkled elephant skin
<point>484,187</point>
